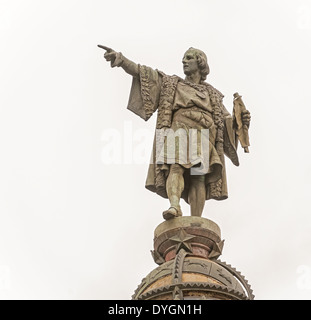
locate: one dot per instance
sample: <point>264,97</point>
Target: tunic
<point>188,111</point>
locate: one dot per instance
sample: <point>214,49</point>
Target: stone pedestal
<point>197,235</point>
<point>187,251</point>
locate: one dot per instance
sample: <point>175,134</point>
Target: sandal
<point>172,212</point>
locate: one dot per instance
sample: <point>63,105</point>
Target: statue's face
<point>190,63</point>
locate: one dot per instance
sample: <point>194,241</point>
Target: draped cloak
<point>181,104</point>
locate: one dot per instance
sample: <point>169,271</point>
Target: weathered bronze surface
<point>191,166</point>
<point>194,167</point>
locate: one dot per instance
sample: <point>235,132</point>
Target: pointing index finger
<point>105,48</point>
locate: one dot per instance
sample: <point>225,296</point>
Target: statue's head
<point>193,60</point>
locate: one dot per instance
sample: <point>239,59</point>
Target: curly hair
<point>202,63</point>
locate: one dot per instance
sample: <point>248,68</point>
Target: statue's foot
<point>172,212</point>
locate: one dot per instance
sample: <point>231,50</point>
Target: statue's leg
<point>174,188</point>
<point>197,194</point>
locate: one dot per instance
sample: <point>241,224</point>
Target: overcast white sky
<point>73,226</point>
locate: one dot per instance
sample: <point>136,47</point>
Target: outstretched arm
<point>118,60</point>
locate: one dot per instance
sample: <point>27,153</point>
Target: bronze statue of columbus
<point>185,104</point>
